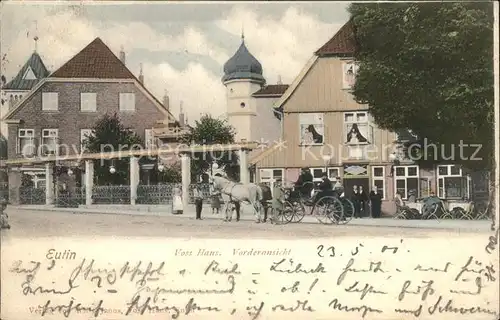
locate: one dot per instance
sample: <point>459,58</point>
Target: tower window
<point>242,104</point>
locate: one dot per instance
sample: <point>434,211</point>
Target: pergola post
<point>244,173</point>
<point>134,179</point>
<point>186,178</point>
<point>89,181</point>
<point>49,183</point>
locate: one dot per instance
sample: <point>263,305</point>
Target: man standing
<point>198,200</point>
<point>376,202</point>
<point>278,200</point>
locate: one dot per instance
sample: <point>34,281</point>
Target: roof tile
<point>343,42</point>
<point>272,90</point>
<point>36,64</point>
<point>95,61</point>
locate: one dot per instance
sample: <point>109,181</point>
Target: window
<point>333,173</point>
<point>88,102</point>
<point>269,176</point>
<point>50,101</point>
<point>26,142</point>
<point>127,102</point>
<point>29,74</point>
<point>378,179</point>
<point>349,71</point>
<point>406,180</point>
<point>49,140</point>
<point>357,128</point>
<point>451,182</point>
<point>84,134</point>
<point>311,129</point>
<point>149,138</point>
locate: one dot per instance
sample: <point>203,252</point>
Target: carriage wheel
<point>328,210</point>
<point>347,211</point>
<point>299,211</point>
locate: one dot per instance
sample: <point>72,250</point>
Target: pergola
<point>184,152</point>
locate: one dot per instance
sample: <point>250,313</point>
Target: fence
<point>31,195</point>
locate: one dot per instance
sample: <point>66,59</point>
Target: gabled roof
<point>342,43</point>
<point>37,67</point>
<point>288,93</point>
<point>271,90</point>
<point>95,61</point>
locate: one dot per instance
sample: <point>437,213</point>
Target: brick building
<point>63,107</point>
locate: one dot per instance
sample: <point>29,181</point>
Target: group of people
<point>360,199</point>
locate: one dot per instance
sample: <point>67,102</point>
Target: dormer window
<point>349,71</point>
<point>29,74</point>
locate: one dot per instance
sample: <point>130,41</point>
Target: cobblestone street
<point>26,223</point>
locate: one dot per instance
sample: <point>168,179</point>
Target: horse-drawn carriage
<point>329,208</point>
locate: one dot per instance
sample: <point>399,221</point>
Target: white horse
<point>243,193</point>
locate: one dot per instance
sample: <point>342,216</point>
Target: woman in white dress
<point>177,207</point>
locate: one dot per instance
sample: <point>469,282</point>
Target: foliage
<point>170,174</point>
<point>428,67</point>
<point>212,131</point>
<point>109,134</point>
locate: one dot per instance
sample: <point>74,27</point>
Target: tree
<point>211,131</point>
<point>428,67</point>
<point>109,134</point>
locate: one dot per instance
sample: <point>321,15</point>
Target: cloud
<point>282,45</point>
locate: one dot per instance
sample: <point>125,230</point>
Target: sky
<point>182,46</point>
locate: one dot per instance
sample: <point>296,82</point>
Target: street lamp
<point>112,169</point>
<point>70,172</point>
<point>327,159</point>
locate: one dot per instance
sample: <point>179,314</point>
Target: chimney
<point>181,116</point>
<point>166,100</point>
<point>279,80</point>
<point>122,55</point>
<point>141,76</point>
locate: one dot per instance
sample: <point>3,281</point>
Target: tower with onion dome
<point>242,78</point>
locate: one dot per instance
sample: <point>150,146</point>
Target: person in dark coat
<point>237,208</point>
<point>363,199</point>
<point>266,197</point>
<point>304,183</point>
<point>376,202</point>
<point>355,200</point>
<point>325,188</point>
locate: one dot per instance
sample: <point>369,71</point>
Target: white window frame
<point>378,178</point>
<point>88,102</point>
<point>345,64</point>
<point>405,178</point>
<point>127,101</point>
<point>322,169</point>
<point>29,74</point>
<point>441,192</point>
<point>28,134</point>
<point>83,133</point>
<point>333,177</point>
<point>50,101</point>
<point>271,179</point>
<point>366,122</point>
<point>50,134</point>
